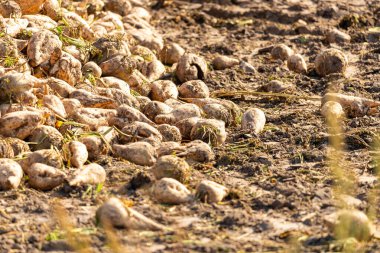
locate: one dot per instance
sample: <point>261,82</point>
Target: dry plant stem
<point>80,243</point>
<point>373,194</point>
<point>112,239</point>
<point>220,94</point>
<point>344,183</point>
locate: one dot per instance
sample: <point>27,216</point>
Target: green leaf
<point>99,188</point>
<point>53,236</point>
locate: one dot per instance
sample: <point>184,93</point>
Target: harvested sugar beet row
<point>164,118</point>
<point>85,85</point>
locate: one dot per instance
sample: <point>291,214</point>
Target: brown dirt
<point>282,186</point>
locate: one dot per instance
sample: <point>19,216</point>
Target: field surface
<point>280,180</point>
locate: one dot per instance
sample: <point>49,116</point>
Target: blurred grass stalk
<point>345,183</point>
<point>344,178</point>
<point>342,174</point>
<point>81,242</point>
<point>113,241</point>
<point>373,194</point>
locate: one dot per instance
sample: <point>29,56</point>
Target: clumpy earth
<point>281,183</point>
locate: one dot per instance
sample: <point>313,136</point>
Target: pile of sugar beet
<point>79,80</point>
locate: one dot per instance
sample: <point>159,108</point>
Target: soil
<point>280,181</point>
